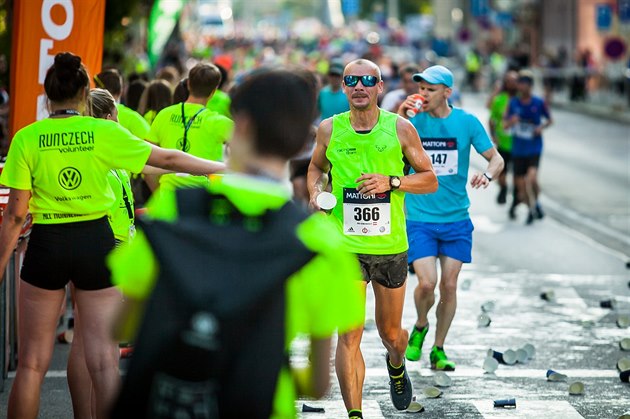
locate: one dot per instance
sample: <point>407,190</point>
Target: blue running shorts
<point>434,239</point>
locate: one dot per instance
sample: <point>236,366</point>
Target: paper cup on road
<point>441,379</point>
<point>483,320</point>
<point>624,376</point>
<point>432,392</point>
<point>555,376</point>
<point>465,285</point>
<point>490,365</point>
<point>505,403</point>
<point>487,307</point>
<point>508,357</point>
<point>548,295</point>
<point>623,321</point>
<point>610,303</point>
<point>521,356</point>
<point>624,344</point>
<point>576,388</point>
<point>530,349</point>
<point>623,364</point>
<point>326,201</point>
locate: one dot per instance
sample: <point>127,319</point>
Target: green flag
<point>162,21</point>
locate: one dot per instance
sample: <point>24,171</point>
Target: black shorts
<point>388,270</point>
<point>507,159</point>
<point>522,164</point>
<point>59,253</point>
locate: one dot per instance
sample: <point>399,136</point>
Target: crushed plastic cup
<point>624,344</point>
<point>509,403</point>
<point>311,409</point>
<point>548,295</point>
<point>576,388</point>
<point>623,321</point>
<point>508,357</point>
<point>624,376</point>
<point>625,415</point>
<point>483,320</point>
<point>623,364</point>
<point>432,392</point>
<point>521,356</point>
<point>414,407</point>
<point>555,376</point>
<point>487,307</point>
<point>441,379</point>
<point>326,201</point>
<point>490,365</point>
<point>530,349</point>
<point>610,303</point>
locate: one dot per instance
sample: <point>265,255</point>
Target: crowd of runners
<point>225,173</point>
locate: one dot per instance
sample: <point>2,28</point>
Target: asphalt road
<point>584,173</point>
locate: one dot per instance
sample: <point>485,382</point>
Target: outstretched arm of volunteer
<point>317,176</point>
<point>178,161</point>
<point>421,182</point>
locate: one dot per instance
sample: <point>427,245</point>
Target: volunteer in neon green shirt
<point>190,127</point>
<point>57,168</point>
<point>498,105</point>
<point>363,150</point>
<point>111,80</point>
<point>325,294</point>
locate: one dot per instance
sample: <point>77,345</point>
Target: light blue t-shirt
<point>331,103</point>
<point>447,141</point>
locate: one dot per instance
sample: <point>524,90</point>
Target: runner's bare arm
<point>12,221</point>
<point>495,166</point>
<point>178,161</point>
<point>424,180</point>
<point>317,176</point>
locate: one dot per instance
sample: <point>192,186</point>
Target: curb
<point>608,113</point>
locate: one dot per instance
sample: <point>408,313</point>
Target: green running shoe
<point>439,360</point>
<point>416,339</point>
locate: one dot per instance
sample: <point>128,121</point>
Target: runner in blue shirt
<point>527,116</point>
<point>438,224</point>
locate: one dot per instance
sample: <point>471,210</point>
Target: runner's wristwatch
<point>394,182</point>
<point>489,177</point>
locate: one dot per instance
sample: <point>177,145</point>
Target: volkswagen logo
<point>180,145</point>
<point>69,178</point>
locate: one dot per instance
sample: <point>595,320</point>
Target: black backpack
<point>211,343</point>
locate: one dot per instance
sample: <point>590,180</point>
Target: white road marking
<point>539,409</point>
<point>336,409</point>
<point>504,372</point>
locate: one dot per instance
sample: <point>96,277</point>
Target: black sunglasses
<point>368,81</point>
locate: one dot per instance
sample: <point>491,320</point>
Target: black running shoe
<point>530,218</point>
<point>400,387</point>
<point>502,197</point>
<point>538,212</point>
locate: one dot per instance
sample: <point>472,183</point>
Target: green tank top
<point>374,224</point>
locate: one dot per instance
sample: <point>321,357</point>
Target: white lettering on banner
<point>56,32</point>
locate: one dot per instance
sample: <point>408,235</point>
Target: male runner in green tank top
<point>364,151</point>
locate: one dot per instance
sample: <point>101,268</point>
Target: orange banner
<point>41,29</point>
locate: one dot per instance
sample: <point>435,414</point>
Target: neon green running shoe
<point>439,360</point>
<point>416,339</point>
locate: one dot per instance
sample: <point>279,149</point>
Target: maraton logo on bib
<point>180,145</point>
<point>69,178</point>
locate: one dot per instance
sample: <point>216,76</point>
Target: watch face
<point>396,182</point>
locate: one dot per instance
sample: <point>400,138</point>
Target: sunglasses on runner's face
<point>368,81</point>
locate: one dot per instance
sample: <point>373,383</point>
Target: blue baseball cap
<point>437,74</point>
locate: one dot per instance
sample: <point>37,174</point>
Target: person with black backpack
<point>220,280</point>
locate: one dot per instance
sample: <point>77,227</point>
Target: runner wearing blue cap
<point>438,224</point>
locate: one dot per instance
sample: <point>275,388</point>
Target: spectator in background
<point>169,74</point>
<point>156,97</point>
<point>332,99</point>
<point>220,101</point>
<point>392,100</point>
<point>133,94</point>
